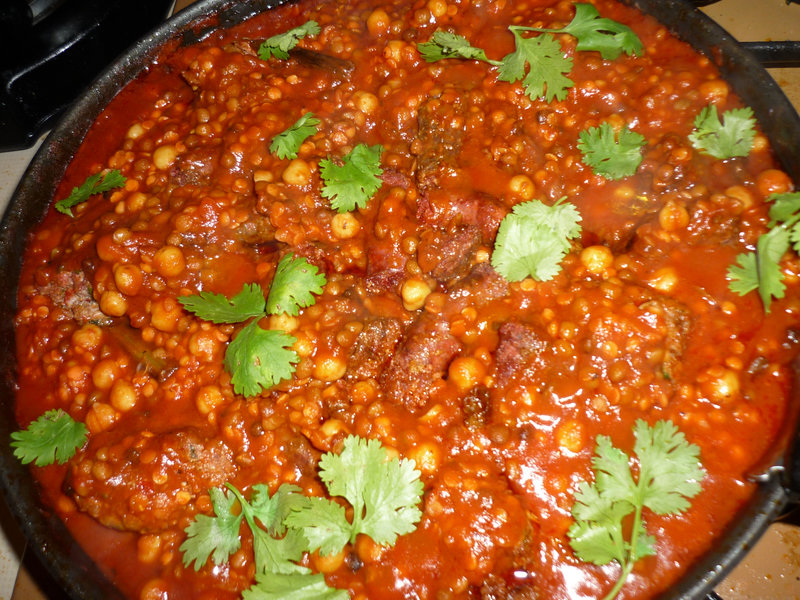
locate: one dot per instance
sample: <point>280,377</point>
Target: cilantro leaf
<point>93,184</point>
<point>669,475</point>
<point>450,45</point>
<point>259,358</point>
<point>546,66</point>
<point>733,136</point>
<point>288,142</point>
<point>216,308</point>
<point>293,286</point>
<point>279,45</point>
<point>273,586</point>
<point>217,537</point>
<point>606,36</point>
<point>53,437</point>
<point>533,239</point>
<point>383,492</point>
<point>760,270</point>
<point>352,183</point>
<point>611,156</point>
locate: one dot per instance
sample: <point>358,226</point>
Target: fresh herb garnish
<point>383,492</point>
<point>352,183</point>
<point>542,55</point>
<point>760,270</point>
<point>53,437</point>
<point>606,36</point>
<point>534,238</point>
<point>609,155</point>
<point>288,142</point>
<point>280,45</point>
<point>444,44</point>
<point>259,358</point>
<point>669,473</point>
<point>94,184</point>
<point>733,136</point>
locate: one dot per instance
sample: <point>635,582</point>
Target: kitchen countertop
<point>771,571</point>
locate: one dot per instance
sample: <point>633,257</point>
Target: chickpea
<point>722,385</point>
<point>522,186</point>
<point>135,131</point>
<point>345,225</point>
<point>305,345</point>
<point>414,292</point>
<point>123,395</point>
<point>262,175</point>
<point>438,8</point>
<point>714,91</point>
<point>329,368</point>
<point>773,181</point>
<point>394,50</point>
<point>740,193</point>
<point>283,322</point>
<point>427,457</point>
<point>148,548</point>
<point>104,373</point>
<point>100,417</point>
<point>208,398</point>
<point>169,261</point>
<point>664,280</point>
<point>128,279</point>
<point>365,102</point>
<point>164,314</point>
<point>466,372</point>
<point>298,173</point>
<point>88,337</point>
<point>673,216</point>
<point>329,563</point>
<point>596,259</point>
<point>164,156</point>
<point>569,436</point>
<point>203,345</point>
<point>378,22</point>
<point>113,303</point>
<point>155,589</point>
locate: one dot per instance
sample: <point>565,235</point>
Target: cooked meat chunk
<point>71,292</point>
<point>439,138</point>
<point>519,345</point>
<point>508,588</point>
<point>147,482</point>
<point>446,255</point>
<point>373,347</point>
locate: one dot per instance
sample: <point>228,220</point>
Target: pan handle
<point>775,54</point>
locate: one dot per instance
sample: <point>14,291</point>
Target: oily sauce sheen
<point>497,390</point>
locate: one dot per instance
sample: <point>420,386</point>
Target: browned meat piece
<point>421,359</point>
<point>339,67</point>
<point>256,231</point>
<point>447,255</point>
<point>519,345</point>
<point>148,482</point>
<point>428,347</point>
<point>373,347</point>
<point>149,358</point>
<point>677,320</point>
<point>508,588</point>
<point>448,210</point>
<point>442,125</point>
<point>194,167</point>
<point>476,406</point>
<point>71,292</point>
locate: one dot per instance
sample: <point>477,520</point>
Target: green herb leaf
<point>450,45</point>
<point>53,437</point>
<point>611,156</point>
<point>280,45</point>
<point>352,183</point>
<point>217,537</point>
<point>669,474</point>
<point>546,65</point>
<point>293,286</point>
<point>259,358</point>
<point>760,270</point>
<point>383,492</point>
<point>217,308</point>
<point>606,36</point>
<point>273,586</point>
<point>94,184</point>
<point>733,136</point>
<point>288,142</point>
<point>533,239</point>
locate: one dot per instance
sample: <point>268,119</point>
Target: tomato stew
<point>496,389</point>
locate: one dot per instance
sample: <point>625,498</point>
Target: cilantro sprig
<point>669,474</point>
<point>353,182</point>
<point>288,142</point>
<point>534,238</point>
<point>727,138</point>
<point>760,270</point>
<point>279,45</point>
<point>610,155</point>
<point>93,184</point>
<point>258,358</point>
<point>383,492</point>
<point>53,437</point>
<point>593,32</point>
<point>539,61</point>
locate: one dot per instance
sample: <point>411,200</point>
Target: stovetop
<point>771,571</point>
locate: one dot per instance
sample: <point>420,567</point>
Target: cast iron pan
<point>49,538</point>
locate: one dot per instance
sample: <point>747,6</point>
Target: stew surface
<point>497,390</point>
